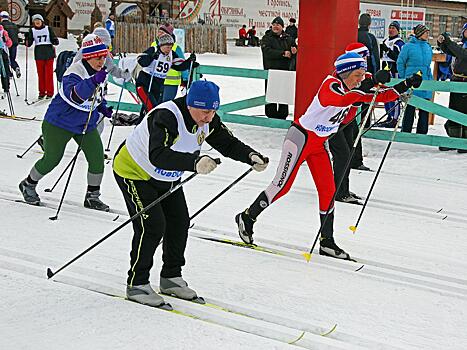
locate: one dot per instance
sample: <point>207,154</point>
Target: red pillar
<point>326,27</point>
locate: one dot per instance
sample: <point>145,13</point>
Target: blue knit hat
<point>203,94</point>
<point>348,62</point>
<point>396,25</point>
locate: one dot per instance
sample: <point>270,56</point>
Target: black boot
<point>328,247</point>
<point>92,201</point>
<point>245,226</point>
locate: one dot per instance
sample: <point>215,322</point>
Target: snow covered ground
<point>410,294</point>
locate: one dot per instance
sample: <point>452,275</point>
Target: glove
<point>382,76</point>
<point>126,75</point>
<point>414,81</point>
<point>258,162</point>
<point>107,112</point>
<point>195,64</point>
<point>205,164</point>
<point>383,47</point>
<point>99,77</point>
<point>366,85</point>
<point>192,57</point>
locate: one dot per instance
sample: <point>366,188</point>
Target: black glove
<point>382,76</point>
<point>192,57</point>
<point>366,85</point>
<point>195,64</point>
<point>414,81</point>
<point>383,47</point>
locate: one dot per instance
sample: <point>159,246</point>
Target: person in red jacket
<point>306,142</point>
<point>44,40</point>
<point>242,35</point>
<point>5,44</point>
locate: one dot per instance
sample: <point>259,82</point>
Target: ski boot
<point>29,192</point>
<point>245,226</point>
<point>348,199</point>
<point>92,201</point>
<point>177,286</point>
<point>328,247</point>
<point>144,294</point>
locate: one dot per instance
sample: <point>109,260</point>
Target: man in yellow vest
<point>174,78</point>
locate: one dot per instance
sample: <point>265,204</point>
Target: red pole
<point>326,27</point>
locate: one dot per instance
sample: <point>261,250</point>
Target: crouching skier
<point>306,140</point>
<point>150,162</point>
<point>67,118</point>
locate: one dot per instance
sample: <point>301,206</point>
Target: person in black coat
<point>369,40</point>
<point>457,101</point>
<point>292,29</point>
<point>12,30</point>
<point>278,49</point>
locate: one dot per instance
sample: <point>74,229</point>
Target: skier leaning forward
<point>150,162</point>
<point>306,140</point>
<point>67,117</point>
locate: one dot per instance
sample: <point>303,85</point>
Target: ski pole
<point>190,76</point>
<point>116,113</point>
<point>32,145</point>
<point>354,227</point>
<point>94,98</point>
<point>349,160</point>
<point>26,73</point>
<point>50,273</point>
<point>221,193</point>
<point>16,87</point>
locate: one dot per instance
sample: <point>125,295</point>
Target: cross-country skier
<point>67,118</point>
<point>150,162</point>
<point>5,44</point>
<point>156,62</point>
<point>306,141</point>
<point>44,39</point>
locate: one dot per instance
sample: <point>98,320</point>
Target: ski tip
<point>307,256</point>
<point>353,228</point>
<point>49,273</point>
<point>296,340</point>
<point>330,331</point>
<point>199,300</point>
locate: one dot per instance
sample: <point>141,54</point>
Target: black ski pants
<point>341,144</point>
<point>275,110</point>
<point>168,219</point>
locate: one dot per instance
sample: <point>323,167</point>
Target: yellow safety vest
<point>173,77</point>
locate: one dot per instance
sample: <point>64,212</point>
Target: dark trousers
<point>13,50</point>
<point>357,159</point>
<point>168,219</point>
<point>4,71</point>
<point>409,115</point>
<point>457,102</point>
<point>341,144</point>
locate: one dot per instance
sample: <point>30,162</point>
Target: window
<point>442,23</point>
<point>56,22</point>
<point>455,26</point>
<point>429,18</point>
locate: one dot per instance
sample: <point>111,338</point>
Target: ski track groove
<point>33,266</point>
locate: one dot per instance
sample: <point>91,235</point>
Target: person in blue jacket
<point>73,114</point>
<point>416,56</point>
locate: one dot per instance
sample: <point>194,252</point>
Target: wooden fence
<point>137,37</point>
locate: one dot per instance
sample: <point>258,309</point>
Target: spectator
<point>369,40</point>
<point>242,35</point>
<point>5,44</point>
<point>12,30</point>
<point>278,48</point>
<point>390,49</point>
<point>457,101</point>
<point>253,40</point>
<point>292,29</point>
<point>44,40</point>
<point>174,78</point>
<point>416,56</point>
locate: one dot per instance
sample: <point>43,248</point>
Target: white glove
<point>126,75</point>
<point>258,162</point>
<point>205,164</point>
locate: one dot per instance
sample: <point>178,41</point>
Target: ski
<point>33,102</point>
<point>242,245</point>
<point>16,117</point>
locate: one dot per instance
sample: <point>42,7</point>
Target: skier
<point>5,44</point>
<point>12,30</point>
<point>156,62</point>
<point>390,49</point>
<point>67,117</point>
<point>306,141</point>
<point>44,40</point>
<point>150,162</point>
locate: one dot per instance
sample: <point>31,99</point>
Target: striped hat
<point>165,39</point>
<point>420,29</point>
<point>93,46</point>
<point>359,48</point>
<point>348,62</point>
